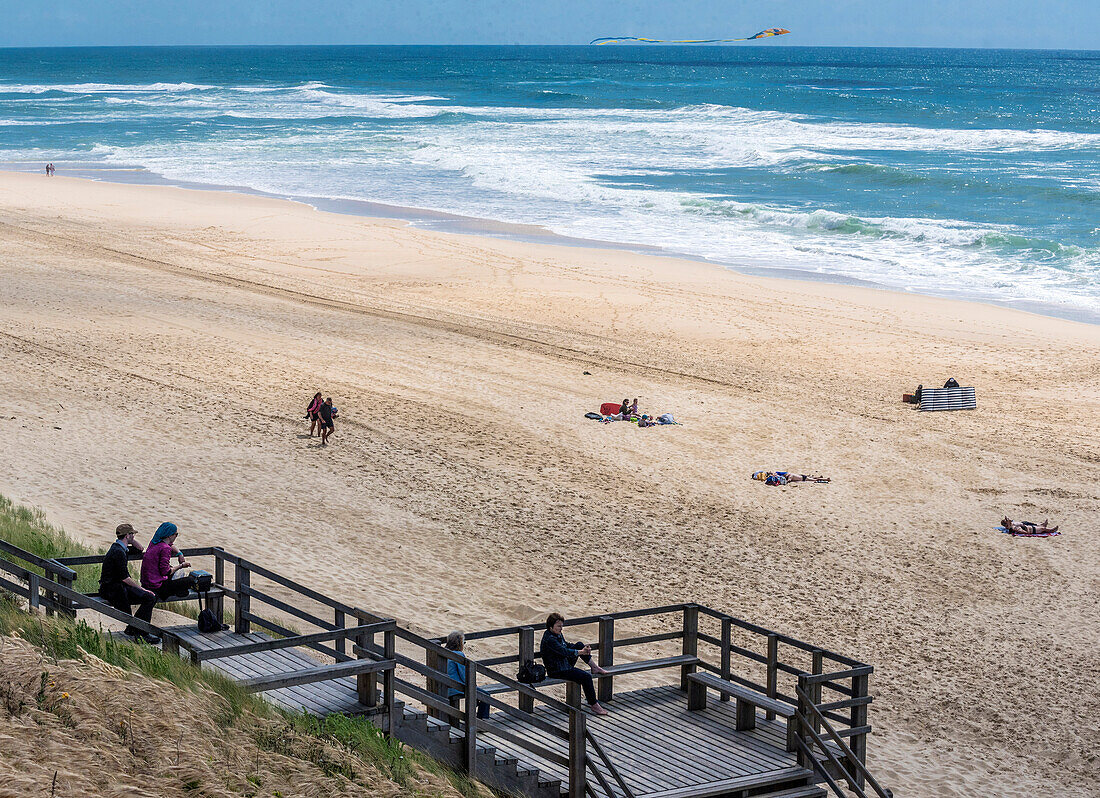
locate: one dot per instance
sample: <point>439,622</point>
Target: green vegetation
<point>63,638</point>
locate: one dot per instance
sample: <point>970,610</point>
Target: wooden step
<point>783,777</point>
<point>809,791</point>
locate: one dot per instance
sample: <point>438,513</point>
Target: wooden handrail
<point>582,621</point>
<point>860,767</point>
<point>295,641</point>
<point>610,767</point>
<point>49,565</point>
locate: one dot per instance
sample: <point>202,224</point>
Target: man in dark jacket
<point>119,589</point>
<point>560,659</point>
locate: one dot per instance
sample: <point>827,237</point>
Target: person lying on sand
<point>786,477</point>
<point>1028,528</point>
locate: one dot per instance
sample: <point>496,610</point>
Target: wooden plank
<point>719,735</point>
<point>310,675</point>
<point>294,642</point>
<point>659,720</point>
<point>735,784</point>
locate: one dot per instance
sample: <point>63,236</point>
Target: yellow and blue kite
<point>762,35</point>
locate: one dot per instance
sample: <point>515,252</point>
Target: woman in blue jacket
<point>456,642</point>
<point>560,659</point>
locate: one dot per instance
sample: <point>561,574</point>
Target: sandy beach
<point>160,345</point>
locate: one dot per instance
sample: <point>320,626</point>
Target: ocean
<point>966,173</point>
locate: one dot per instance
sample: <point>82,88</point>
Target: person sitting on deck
<point>456,642</point>
<point>1027,527</point>
<point>157,571</point>
<point>560,659</point>
<point>119,589</point>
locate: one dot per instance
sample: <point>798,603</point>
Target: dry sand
<point>159,347</point>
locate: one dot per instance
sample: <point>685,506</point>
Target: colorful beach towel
<point>1027,534</point>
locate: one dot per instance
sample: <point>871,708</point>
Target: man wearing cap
<point>119,588</point>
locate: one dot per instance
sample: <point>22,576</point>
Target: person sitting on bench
<point>456,642</point>
<point>560,659</point>
<point>156,564</point>
<point>119,589</point>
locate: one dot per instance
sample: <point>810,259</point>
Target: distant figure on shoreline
<point>560,659</point>
<point>49,170</point>
<point>326,411</point>
<point>313,413</point>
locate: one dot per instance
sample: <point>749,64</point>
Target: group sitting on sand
<point>628,411</point>
<point>786,477</point>
<point>320,413</point>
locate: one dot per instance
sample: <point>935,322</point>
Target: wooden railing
<point>829,690</point>
<point>814,751</point>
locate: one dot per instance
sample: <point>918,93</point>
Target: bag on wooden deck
<point>208,622</point>
<point>531,673</point>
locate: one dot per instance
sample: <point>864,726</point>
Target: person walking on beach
<point>119,588</point>
<point>326,411</point>
<point>560,659</point>
<point>49,170</point>
<point>313,413</point>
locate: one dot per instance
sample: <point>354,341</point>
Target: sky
<point>1058,24</point>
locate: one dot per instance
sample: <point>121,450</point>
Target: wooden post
<point>338,621</point>
<point>773,670</point>
<point>691,641</point>
<point>434,661</point>
<point>573,694</point>
<point>815,692</point>
<point>858,742</point>
<point>217,603</point>
<point>804,760</point>
<point>32,586</point>
<point>469,761</point>
<point>727,642</point>
<point>578,750</point>
<point>605,688</point>
<point>241,625</point>
<point>67,606</point>
<point>389,697</point>
<point>170,644</point>
<point>365,683</point>
<point>526,652</point>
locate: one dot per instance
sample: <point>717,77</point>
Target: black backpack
<point>208,621</point>
<point>531,673</point>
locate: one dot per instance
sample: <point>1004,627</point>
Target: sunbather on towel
<point>1027,528</point>
<point>786,477</point>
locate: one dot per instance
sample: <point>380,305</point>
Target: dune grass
<point>63,638</point>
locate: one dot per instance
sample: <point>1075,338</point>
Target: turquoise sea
<point>972,173</point>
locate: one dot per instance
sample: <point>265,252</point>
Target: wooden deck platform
<point>798,715</point>
<point>663,749</point>
<point>319,698</point>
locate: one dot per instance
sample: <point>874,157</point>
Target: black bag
<point>182,586</point>
<point>208,621</point>
<point>531,673</point>
<point>594,416</point>
<point>203,580</point>
<point>951,383</point>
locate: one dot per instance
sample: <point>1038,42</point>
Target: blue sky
<point>1070,24</point>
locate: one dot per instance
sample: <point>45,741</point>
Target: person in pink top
<point>156,563</point>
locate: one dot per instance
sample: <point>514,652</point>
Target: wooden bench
<point>612,670</point>
<point>213,596</point>
<point>322,673</point>
<point>948,399</point>
<point>747,702</point>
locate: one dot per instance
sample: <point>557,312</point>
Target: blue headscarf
<point>165,530</point>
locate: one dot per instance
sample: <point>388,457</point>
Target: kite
<point>762,35</point>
